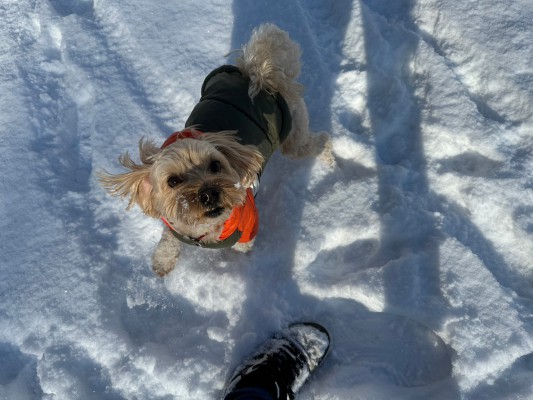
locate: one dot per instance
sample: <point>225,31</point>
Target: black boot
<point>282,364</point>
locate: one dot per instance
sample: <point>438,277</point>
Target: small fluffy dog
<point>201,181</point>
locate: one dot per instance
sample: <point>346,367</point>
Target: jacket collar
<point>187,133</point>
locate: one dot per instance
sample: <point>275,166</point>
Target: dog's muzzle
<point>209,197</point>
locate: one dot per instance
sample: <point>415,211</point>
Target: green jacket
<point>225,105</point>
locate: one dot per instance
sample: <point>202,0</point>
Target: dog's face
<point>193,183</point>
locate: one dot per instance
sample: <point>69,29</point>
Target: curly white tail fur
<point>272,62</point>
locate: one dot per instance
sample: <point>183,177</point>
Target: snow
<point>424,224</point>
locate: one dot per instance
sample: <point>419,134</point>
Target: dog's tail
<point>272,62</point>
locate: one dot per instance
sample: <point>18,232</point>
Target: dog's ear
<point>134,184</point>
<point>245,159</point>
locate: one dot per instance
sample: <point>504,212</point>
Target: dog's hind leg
<point>166,253</point>
<point>301,142</point>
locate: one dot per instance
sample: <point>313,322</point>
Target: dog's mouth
<point>214,213</point>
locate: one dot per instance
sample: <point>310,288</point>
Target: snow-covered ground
<point>425,223</point>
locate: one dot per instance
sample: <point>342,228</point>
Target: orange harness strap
<point>244,218</point>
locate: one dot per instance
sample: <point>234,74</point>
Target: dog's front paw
<point>163,265</point>
<point>243,247</point>
<point>166,254</point>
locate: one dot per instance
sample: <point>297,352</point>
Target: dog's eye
<point>215,167</point>
<point>174,181</point>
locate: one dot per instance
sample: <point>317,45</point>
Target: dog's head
<point>194,181</point>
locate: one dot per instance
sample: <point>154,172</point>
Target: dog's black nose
<point>209,196</point>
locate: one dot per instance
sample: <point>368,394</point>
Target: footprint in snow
<point>64,8</point>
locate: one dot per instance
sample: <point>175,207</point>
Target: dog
<point>201,182</point>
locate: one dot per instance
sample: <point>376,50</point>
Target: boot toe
<point>313,339</point>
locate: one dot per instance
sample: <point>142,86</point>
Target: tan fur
<point>246,160</point>
<point>145,183</point>
<point>166,253</point>
<point>133,184</point>
<point>272,62</point>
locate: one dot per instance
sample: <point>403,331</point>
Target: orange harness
<point>244,218</point>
